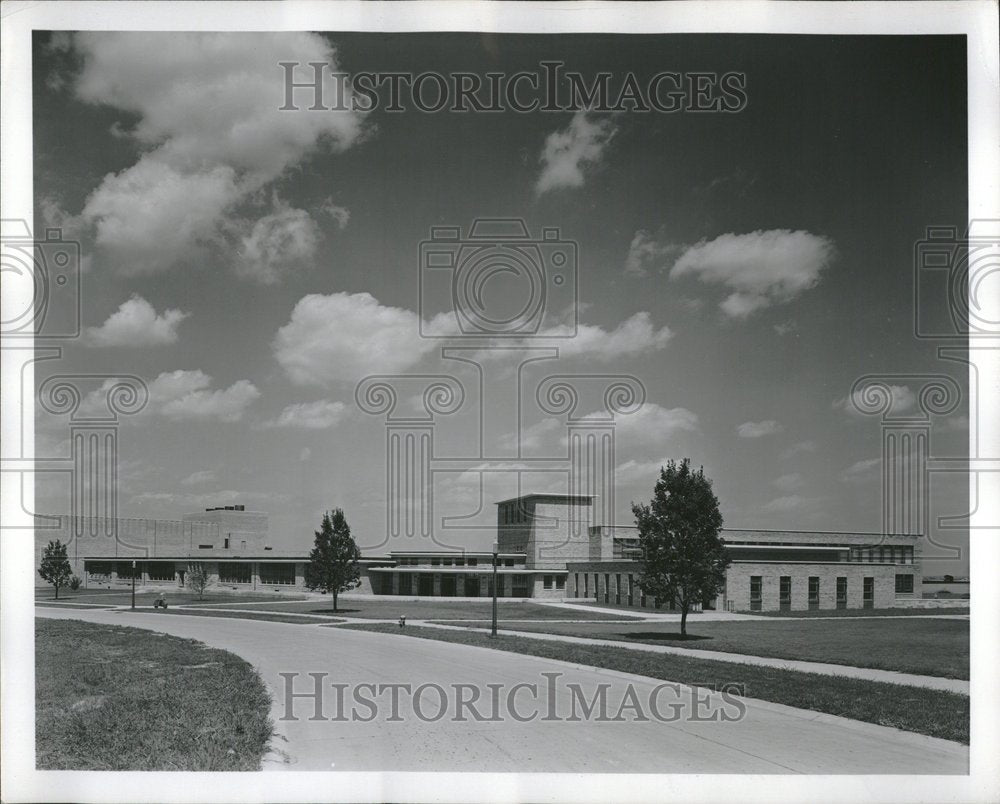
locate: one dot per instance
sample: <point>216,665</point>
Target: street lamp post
<point>496,561</point>
<point>133,586</point>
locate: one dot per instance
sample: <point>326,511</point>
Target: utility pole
<point>133,585</point>
<point>496,561</point>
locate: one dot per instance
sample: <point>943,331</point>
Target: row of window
<point>459,585</point>
<point>904,585</point>
<point>625,591</point>
<point>229,572</point>
<point>886,554</point>
<point>560,581</point>
<point>512,514</point>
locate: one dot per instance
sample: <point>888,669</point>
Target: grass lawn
<point>116,698</point>
<point>939,714</point>
<point>123,597</point>
<point>929,647</point>
<point>860,612</point>
<point>269,616</point>
<point>391,608</point>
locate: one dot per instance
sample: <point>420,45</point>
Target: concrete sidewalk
<point>820,668</point>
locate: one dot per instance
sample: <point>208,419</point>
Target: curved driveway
<point>681,735</point>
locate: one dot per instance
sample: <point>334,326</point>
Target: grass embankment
<point>391,608</point>
<point>115,698</point>
<point>938,714</point>
<point>931,647</point>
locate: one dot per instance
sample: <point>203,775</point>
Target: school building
<point>547,547</point>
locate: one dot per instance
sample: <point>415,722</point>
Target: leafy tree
<point>198,578</point>
<point>685,558</point>
<point>333,563</point>
<point>55,567</point>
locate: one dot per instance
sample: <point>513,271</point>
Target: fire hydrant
<point>402,621</point>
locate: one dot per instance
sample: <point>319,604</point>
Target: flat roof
<point>574,497</point>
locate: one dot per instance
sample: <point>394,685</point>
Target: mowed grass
<point>123,597</point>
<point>268,616</point>
<point>932,647</point>
<point>117,698</point>
<point>391,608</point>
<point>931,712</point>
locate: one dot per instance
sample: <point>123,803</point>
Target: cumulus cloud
<point>185,396</point>
<point>861,470</point>
<point>789,482</point>
<point>798,448</point>
<point>343,337</point>
<point>901,400</point>
<point>319,415</point>
<point>759,429</point>
<point>136,323</point>
<point>201,478</point>
<point>647,427</point>
<point>646,254</point>
<point>277,244</point>
<point>210,136</point>
<point>791,502</point>
<point>762,268</point>
<point>571,151</point>
<point>636,335</point>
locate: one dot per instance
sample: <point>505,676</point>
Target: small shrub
<point>74,583</point>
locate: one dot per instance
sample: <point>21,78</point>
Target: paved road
<point>768,738</point>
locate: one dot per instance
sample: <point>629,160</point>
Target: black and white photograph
<point>500,401</point>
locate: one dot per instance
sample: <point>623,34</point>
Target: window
<point>785,592</point>
<point>448,562</point>
<point>814,592</point>
<point>124,569</point>
<point>98,568</point>
<point>586,585</point>
<point>459,562</point>
<point>642,597</point>
<point>473,562</point>
<point>560,582</point>
<point>274,574</point>
<point>160,570</point>
<point>519,586</point>
<point>405,583</point>
<point>225,543</point>
<point>435,562</point>
<point>756,588</point>
<point>618,588</point>
<point>841,593</point>
<point>547,582</point>
<point>631,590</point>
<point>607,587</point>
<point>205,546</point>
<point>234,572</point>
<point>597,594</point>
<point>868,593</point>
<point>904,584</point>
<point>508,562</point>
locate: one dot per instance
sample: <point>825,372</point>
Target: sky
<point>253,265</point>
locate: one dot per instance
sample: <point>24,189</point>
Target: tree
<point>198,578</point>
<point>333,563</point>
<point>685,558</point>
<point>55,567</point>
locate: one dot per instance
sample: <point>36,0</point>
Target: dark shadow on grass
<point>660,636</point>
<point>331,612</point>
